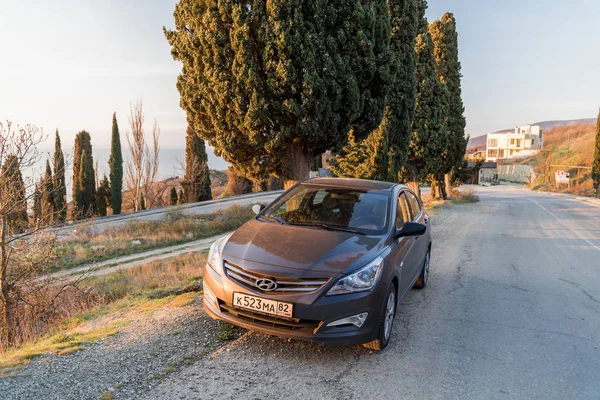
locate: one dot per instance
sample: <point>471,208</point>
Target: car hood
<point>298,252</point>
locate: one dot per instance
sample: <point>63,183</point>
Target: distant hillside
<point>547,125</point>
<point>572,145</point>
<point>480,141</point>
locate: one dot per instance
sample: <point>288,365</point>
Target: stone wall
<point>516,173</point>
<point>488,175</point>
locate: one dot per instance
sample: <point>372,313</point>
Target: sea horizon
<point>171,163</point>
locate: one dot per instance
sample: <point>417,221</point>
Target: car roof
<point>349,183</point>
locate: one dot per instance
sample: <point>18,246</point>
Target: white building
<point>524,141</point>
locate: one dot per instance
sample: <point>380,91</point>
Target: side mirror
<point>412,229</point>
<point>257,208</point>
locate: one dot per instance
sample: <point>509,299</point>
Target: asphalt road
<point>511,312</point>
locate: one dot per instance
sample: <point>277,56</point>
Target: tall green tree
<point>429,142</point>
<point>105,184</point>
<point>384,152</point>
<point>83,176</point>
<point>596,163</point>
<point>368,159</point>
<point>100,197</point>
<point>11,183</point>
<point>115,162</point>
<point>60,183</point>
<point>272,84</point>
<point>445,43</point>
<point>196,183</point>
<point>37,203</point>
<point>48,203</point>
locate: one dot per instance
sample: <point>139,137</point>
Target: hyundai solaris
<point>327,261</point>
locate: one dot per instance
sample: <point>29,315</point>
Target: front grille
<point>284,285</point>
<point>264,320</point>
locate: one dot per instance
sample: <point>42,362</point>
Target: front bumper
<point>312,312</point>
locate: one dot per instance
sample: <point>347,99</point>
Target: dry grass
<point>177,227</point>
<point>571,146</point>
<point>131,294</point>
<point>151,280</point>
<point>461,196</point>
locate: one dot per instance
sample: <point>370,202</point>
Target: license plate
<point>263,306</point>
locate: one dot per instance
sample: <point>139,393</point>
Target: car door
<point>417,214</point>
<point>403,253</point>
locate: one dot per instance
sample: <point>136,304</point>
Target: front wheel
<point>386,322</point>
<point>424,277</point>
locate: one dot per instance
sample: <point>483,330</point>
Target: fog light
<point>357,320</point>
<point>208,294</point>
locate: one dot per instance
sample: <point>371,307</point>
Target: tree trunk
<point>6,331</point>
<point>598,192</point>
<point>447,183</point>
<point>434,191</point>
<point>298,165</point>
<point>442,189</point>
<point>260,186</point>
<point>413,184</point>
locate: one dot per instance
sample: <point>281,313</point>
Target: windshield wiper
<point>329,227</point>
<point>272,218</point>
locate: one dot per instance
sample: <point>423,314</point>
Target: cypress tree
<point>384,152</point>
<point>196,182</point>
<point>37,203</point>
<point>174,198</point>
<point>429,142</point>
<point>105,184</point>
<point>115,162</point>
<point>47,202</point>
<point>100,199</point>
<point>11,183</point>
<point>60,183</point>
<point>596,163</point>
<point>83,176</point>
<point>448,68</point>
<point>273,85</point>
<point>368,159</point>
<point>402,99</point>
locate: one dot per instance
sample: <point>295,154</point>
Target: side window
<point>292,202</point>
<point>403,212</point>
<point>318,197</point>
<point>415,207</point>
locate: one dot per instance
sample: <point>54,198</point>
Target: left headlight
<point>215,254</point>
<point>362,280</point>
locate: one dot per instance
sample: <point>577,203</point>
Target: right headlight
<point>215,254</point>
<point>362,280</point>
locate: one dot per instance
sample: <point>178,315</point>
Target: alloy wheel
<point>426,268</point>
<point>389,315</point>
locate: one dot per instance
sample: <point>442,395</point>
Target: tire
<point>424,277</point>
<point>386,321</point>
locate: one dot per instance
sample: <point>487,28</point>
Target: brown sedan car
<point>327,261</point>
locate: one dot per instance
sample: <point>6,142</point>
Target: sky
<point>69,64</point>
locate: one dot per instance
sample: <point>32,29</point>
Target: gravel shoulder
<point>145,352</point>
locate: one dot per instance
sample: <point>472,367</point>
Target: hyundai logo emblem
<point>266,284</point>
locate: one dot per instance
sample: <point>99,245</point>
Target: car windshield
<point>344,209</point>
